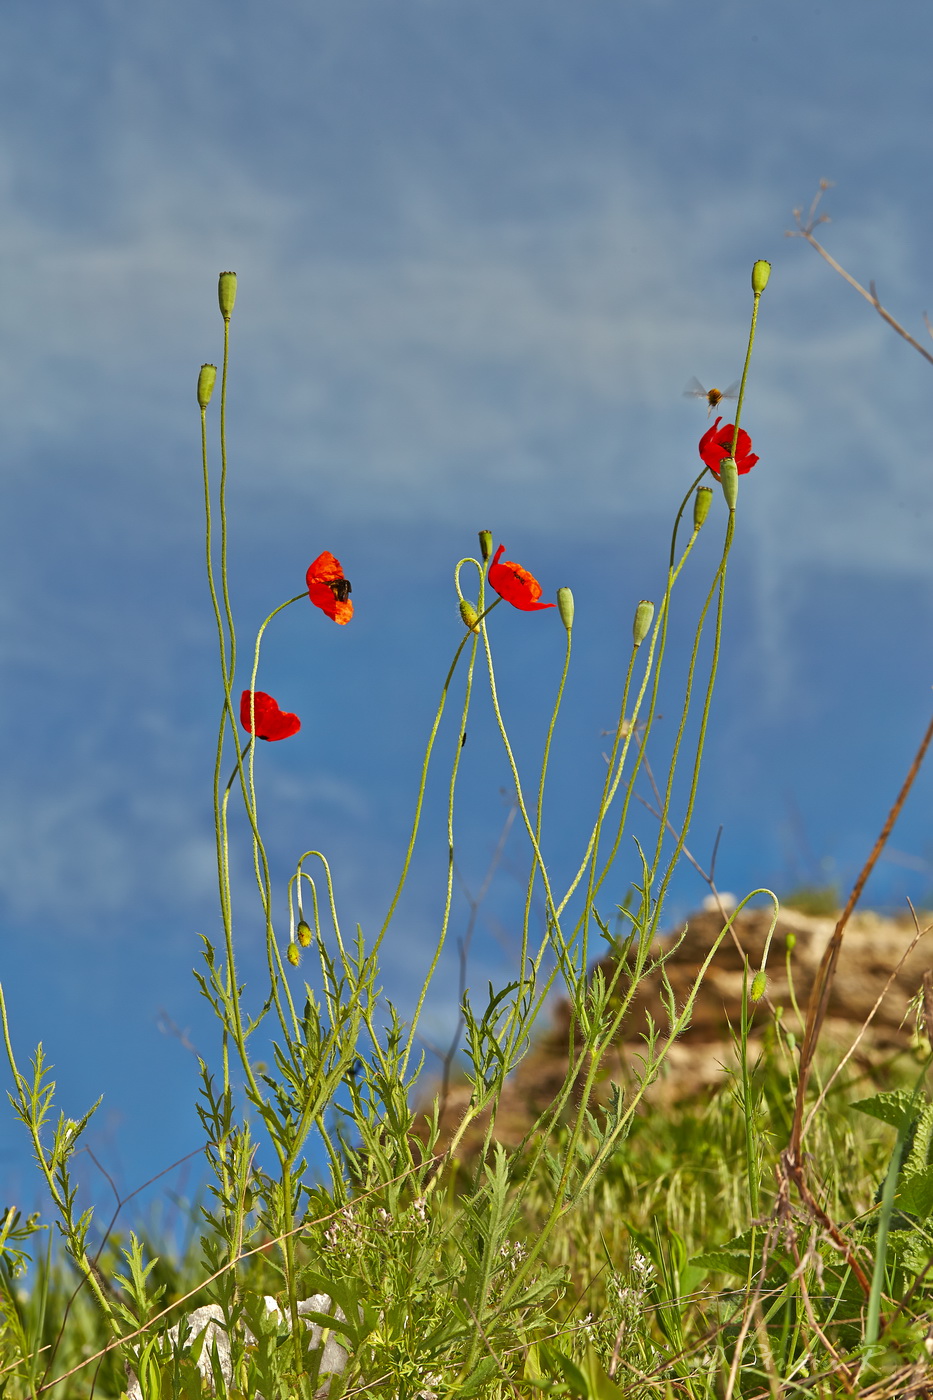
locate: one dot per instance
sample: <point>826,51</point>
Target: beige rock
<point>873,949</point>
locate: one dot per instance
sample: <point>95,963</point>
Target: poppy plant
<point>717,443</point>
<point>515,584</point>
<point>271,722</point>
<point>328,589</point>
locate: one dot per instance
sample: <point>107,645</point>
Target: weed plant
<point>698,1251</point>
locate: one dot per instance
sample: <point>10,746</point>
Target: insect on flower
<point>328,589</point>
<point>695,390</point>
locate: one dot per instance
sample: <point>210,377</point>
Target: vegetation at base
<point>643,1293</point>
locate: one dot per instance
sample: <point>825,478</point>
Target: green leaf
<point>734,1256</point>
<point>898,1107</point>
<point>916,1193</point>
<point>601,1385</point>
<point>557,1361</point>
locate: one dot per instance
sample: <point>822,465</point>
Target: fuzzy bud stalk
<point>469,614</point>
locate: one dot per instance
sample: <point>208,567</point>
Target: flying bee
<point>713,397</point>
<point>340,587</point>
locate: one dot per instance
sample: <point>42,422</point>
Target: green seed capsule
<point>485,544</point>
<point>729,480</point>
<point>701,505</point>
<point>760,274</point>
<point>226,294</point>
<point>644,616</point>
<point>206,381</point>
<point>565,607</point>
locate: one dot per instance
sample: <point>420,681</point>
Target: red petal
<point>271,722</point>
<point>515,584</point>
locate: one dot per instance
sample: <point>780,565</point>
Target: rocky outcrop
<point>873,954</point>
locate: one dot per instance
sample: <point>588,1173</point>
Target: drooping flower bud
<point>644,616</point>
<point>729,477</point>
<point>485,544</point>
<point>760,274</point>
<point>701,504</point>
<point>303,933</point>
<point>469,614</point>
<point>226,294</point>
<point>759,984</point>
<point>293,955</point>
<point>206,380</point>
<point>565,607</point>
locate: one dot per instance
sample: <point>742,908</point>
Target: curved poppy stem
<point>260,860</point>
<point>748,360</point>
<point>448,894</point>
<point>419,801</point>
<point>554,934</point>
<point>679,516</point>
<point>226,636</point>
<point>625,729</point>
<point>545,757</point>
<point>717,589</point>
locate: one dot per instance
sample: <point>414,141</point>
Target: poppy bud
<point>293,955</point>
<point>303,933</point>
<point>790,942</point>
<point>226,294</point>
<point>729,477</point>
<point>644,616</point>
<point>469,614</point>
<point>760,274</point>
<point>485,544</point>
<point>206,381</point>
<point>565,607</point>
<point>701,505</point>
<point>759,984</point>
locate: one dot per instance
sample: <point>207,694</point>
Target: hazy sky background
<point>481,249</point>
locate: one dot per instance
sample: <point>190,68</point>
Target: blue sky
<point>481,249</point>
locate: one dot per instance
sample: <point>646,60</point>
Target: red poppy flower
<point>717,443</point>
<point>515,584</point>
<point>328,589</point>
<point>271,722</point>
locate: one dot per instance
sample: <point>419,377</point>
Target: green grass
<point>643,1286</point>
